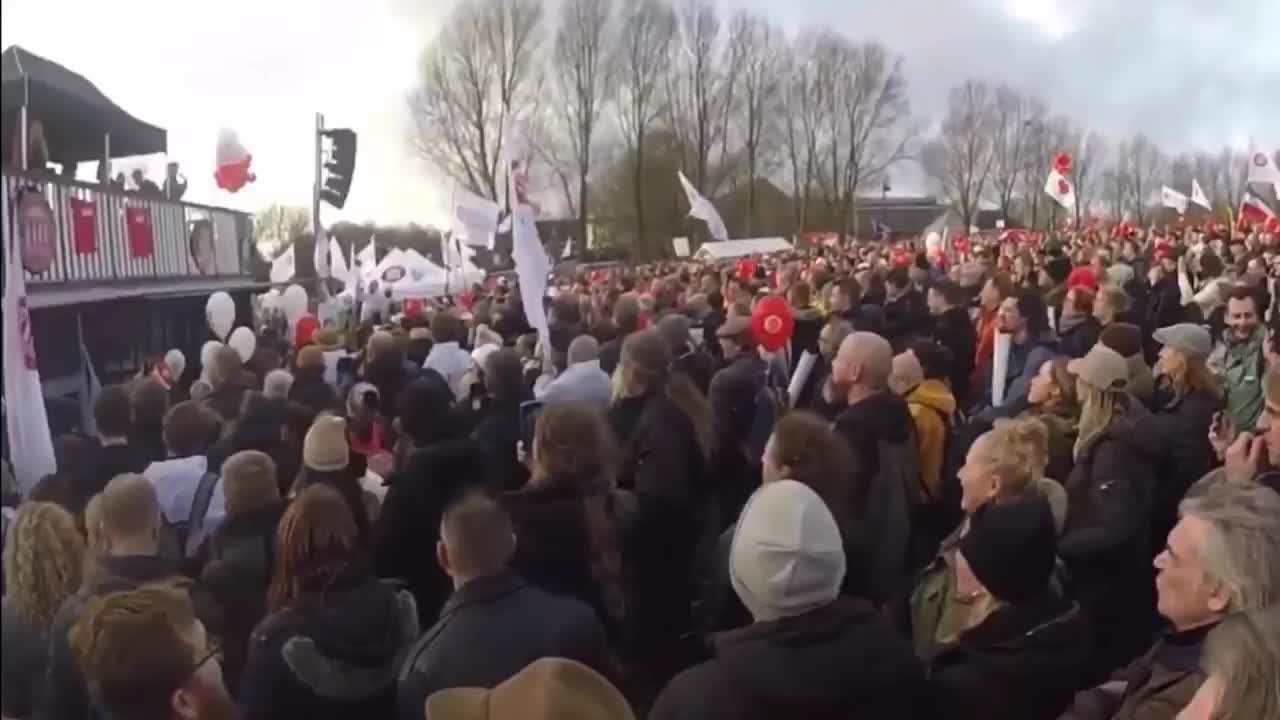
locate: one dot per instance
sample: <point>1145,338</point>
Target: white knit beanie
<point>787,556</point>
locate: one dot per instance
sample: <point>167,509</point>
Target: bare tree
<point>877,132</point>
<point>581,76</point>
<point>1141,165</point>
<point>276,226</point>
<point>1016,116</point>
<point>699,88</point>
<point>642,55</point>
<point>959,159</point>
<point>1224,177</point>
<point>757,45</point>
<point>1089,156</point>
<point>476,79</point>
<point>804,116</point>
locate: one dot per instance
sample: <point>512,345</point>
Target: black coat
<point>1106,541</point>
<point>25,662</point>
<point>310,389</point>
<point>1022,663</point>
<point>491,629</point>
<point>954,331</point>
<point>1079,339</point>
<point>499,432</point>
<point>112,460</point>
<point>804,337</point>
<point>235,578</point>
<point>1183,428</point>
<point>333,655</point>
<point>391,377</point>
<point>553,542</point>
<point>879,527</point>
<point>840,661</point>
<point>905,317</point>
<point>404,536</point>
<point>65,693</point>
<point>663,466</point>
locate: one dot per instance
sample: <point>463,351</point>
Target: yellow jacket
<point>932,405</point>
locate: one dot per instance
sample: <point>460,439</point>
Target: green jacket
<point>1242,366</point>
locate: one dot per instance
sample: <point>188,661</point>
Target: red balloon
<point>235,175</point>
<point>746,269</point>
<point>412,308</point>
<point>304,330</point>
<point>1062,163</point>
<point>772,322</point>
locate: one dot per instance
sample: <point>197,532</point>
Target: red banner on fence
<point>84,226</point>
<point>142,242</point>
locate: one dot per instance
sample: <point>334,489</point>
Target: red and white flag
<point>1253,211</point>
<point>27,423</point>
<point>1262,167</point>
<point>1058,187</point>
<point>1198,197</point>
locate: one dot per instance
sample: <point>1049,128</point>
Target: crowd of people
<point>1027,480</point>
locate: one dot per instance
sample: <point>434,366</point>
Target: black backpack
<point>181,540</point>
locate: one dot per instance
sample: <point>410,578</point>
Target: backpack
<point>181,540</point>
<point>886,517</point>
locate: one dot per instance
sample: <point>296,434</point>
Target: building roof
<point>739,248</point>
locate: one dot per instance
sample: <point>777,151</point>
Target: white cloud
<point>264,68</point>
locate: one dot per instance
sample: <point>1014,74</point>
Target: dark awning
<point>74,113</point>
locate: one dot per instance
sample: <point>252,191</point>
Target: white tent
<point>729,249</point>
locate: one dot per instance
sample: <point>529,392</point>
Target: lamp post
<point>884,204</point>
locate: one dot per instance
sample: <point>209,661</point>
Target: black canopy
<point>73,112</point>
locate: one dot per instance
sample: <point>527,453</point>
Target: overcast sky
<point>1192,73</point>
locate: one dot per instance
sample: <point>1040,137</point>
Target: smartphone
<point>530,410</point>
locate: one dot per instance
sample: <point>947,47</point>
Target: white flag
<point>702,209</point>
<point>1171,198</point>
<point>1262,166</point>
<point>1058,187</point>
<point>474,219</point>
<point>568,249</point>
<point>27,423</point>
<point>282,269</point>
<point>1198,197</point>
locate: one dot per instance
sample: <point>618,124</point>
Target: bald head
<point>865,360</point>
<point>584,348</point>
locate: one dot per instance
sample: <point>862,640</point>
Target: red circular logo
<point>1064,187</point>
<point>35,230</point>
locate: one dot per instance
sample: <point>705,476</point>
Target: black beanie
<point>1012,547</point>
<point>1058,268</point>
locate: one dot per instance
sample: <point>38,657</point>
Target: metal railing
<point>92,240</point>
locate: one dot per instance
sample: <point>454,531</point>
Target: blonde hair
<point>1098,409</point>
<point>1190,374</point>
<point>44,562</point>
<point>1242,653</point>
<point>1007,458</point>
<point>1032,436</point>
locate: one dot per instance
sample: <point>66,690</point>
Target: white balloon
<point>243,342</point>
<point>294,303</point>
<point>220,311</point>
<point>271,299</point>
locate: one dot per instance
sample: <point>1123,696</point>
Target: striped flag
<point>30,442</point>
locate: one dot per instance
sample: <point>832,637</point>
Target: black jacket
<point>112,460</point>
<point>235,578</point>
<point>1022,663</point>
<point>310,389</point>
<point>404,536</point>
<point>1079,339</point>
<point>499,432</point>
<point>389,374</point>
<point>662,464</point>
<point>1106,541</point>
<point>334,654</point>
<point>490,629</point>
<point>954,331</point>
<point>905,317</point>
<point>227,400</point>
<point>840,661</point>
<point>611,354</point>
<point>65,693</point>
<point>25,662</point>
<point>553,543</point>
<point>804,337</point>
<point>1182,424</point>
<point>879,528</point>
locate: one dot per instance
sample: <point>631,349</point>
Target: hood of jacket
<point>882,414</point>
<point>1043,641</point>
<point>825,657</point>
<point>348,641</point>
<point>934,394</point>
